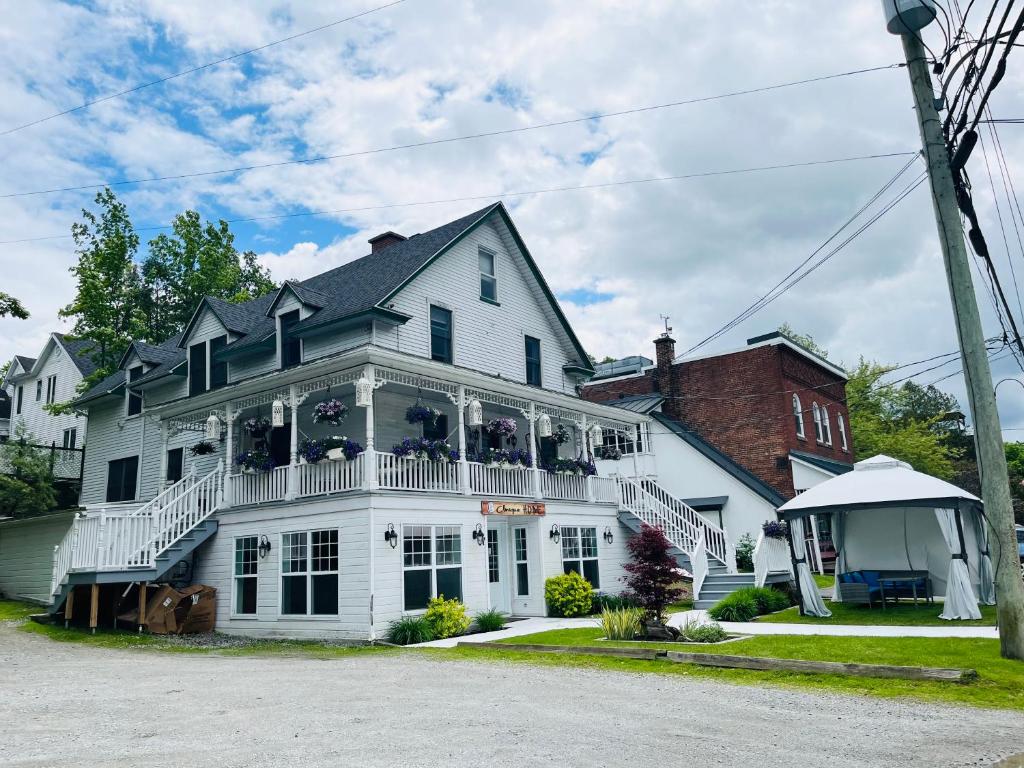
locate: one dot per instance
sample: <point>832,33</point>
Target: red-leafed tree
<point>652,572</point>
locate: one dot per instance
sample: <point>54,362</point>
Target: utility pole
<point>988,437</point>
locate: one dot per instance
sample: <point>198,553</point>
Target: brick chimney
<point>385,240</point>
<point>665,353</point>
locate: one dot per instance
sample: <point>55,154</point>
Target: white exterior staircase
<point>103,547</point>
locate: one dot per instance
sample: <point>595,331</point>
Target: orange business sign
<point>516,508</point>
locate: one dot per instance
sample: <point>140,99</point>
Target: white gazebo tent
<point>887,517</point>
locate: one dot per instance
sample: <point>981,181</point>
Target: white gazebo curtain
<point>986,576</point>
<point>838,540</point>
<point>960,600</point>
<point>810,597</point>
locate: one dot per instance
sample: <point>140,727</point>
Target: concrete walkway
<point>532,625</point>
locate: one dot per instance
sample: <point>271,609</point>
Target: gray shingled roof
<point>104,387</point>
<point>80,351</point>
<point>26,362</point>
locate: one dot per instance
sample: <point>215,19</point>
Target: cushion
<point>871,577</point>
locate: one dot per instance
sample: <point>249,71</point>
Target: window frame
<point>20,396</point>
<point>70,437</point>
<point>450,357</point>
<point>841,423</point>
<point>614,439</point>
<point>520,535</point>
<point>493,558</point>
<point>309,573</point>
<point>798,416</point>
<point>51,389</point>
<point>433,566</point>
<point>284,361</point>
<point>135,372</point>
<point>197,384</point>
<point>488,278</point>
<point>826,426</point>
<point>39,390</point>
<point>538,362</point>
<point>214,368</point>
<point>135,479</point>
<point>237,578</point>
<point>181,465</point>
<point>574,534</point>
<point>816,413</point>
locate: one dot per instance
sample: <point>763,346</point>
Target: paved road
<point>70,705</point>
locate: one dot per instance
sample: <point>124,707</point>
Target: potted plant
<point>775,529</point>
<point>202,448</point>
<point>561,435</point>
<point>311,451</point>
<point>257,426</point>
<point>341,448</point>
<point>256,460</point>
<point>503,426</point>
<point>330,411</point>
<point>421,449</point>
<point>611,453</point>
<point>421,414</point>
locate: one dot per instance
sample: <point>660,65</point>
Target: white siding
<point>45,428</point>
<point>114,436</point>
<point>26,555</point>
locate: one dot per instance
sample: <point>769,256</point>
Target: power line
<point>192,70</point>
<point>497,195</point>
<point>452,139</point>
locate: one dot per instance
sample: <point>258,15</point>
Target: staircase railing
<point>113,541</point>
<point>771,555</point>
<point>699,564</point>
<point>682,525</point>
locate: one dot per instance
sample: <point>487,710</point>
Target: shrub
<point>735,607</point>
<point>768,600</point>
<point>599,602</point>
<point>446,618</point>
<point>745,553</point>
<point>711,632</point>
<point>621,623</point>
<point>410,630</point>
<point>490,621</point>
<point>652,573</point>
<point>568,595</point>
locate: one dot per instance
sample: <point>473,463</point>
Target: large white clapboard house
<point>202,456</point>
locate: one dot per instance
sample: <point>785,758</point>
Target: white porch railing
<point>402,473</point>
<point>699,564</point>
<point>494,481</point>
<point>330,476</point>
<point>771,556</point>
<point>605,491</point>
<point>564,487</point>
<point>259,487</point>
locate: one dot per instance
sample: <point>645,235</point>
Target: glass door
<point>497,578</point>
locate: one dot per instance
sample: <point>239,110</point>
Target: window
<point>623,443</point>
<point>121,477</point>
<point>197,368</point>
<point>51,389</point>
<point>826,427</point>
<point>440,334</point>
<point>816,412</point>
<point>493,572</point>
<point>842,432</point>
<point>175,464</point>
<point>432,563</point>
<point>309,573</point>
<point>522,568</point>
<point>218,369</point>
<point>291,346</point>
<point>438,430</point>
<point>533,361</point>
<point>70,437</point>
<point>134,399</point>
<point>246,578</point>
<point>488,276</point>
<point>21,392</point>
<point>798,416</point>
<point>39,390</point>
<point>579,553</point>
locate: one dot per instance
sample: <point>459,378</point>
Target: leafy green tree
<point>10,306</point>
<point>26,479</point>
<point>198,259</point>
<point>107,308</point>
<point>803,339</point>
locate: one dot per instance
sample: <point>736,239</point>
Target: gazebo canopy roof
<point>878,482</point>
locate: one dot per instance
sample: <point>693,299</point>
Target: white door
<point>497,566</point>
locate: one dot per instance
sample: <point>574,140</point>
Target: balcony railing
<point>402,473</point>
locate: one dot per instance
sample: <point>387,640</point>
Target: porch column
<point>463,459</point>
<point>163,454</point>
<point>533,450</point>
<point>229,453</point>
<point>370,467</point>
<point>587,453</point>
<point>293,445</point>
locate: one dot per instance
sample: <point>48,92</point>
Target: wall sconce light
<point>277,414</point>
<point>555,534</point>
<point>264,547</point>
<point>390,536</point>
<point>608,535</point>
<point>478,535</point>
<point>213,427</point>
<point>364,392</point>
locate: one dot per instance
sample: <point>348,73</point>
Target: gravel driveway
<point>69,705</point>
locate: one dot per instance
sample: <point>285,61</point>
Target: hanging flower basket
<point>257,426</point>
<point>312,451</point>
<point>611,454</point>
<point>561,435</point>
<point>256,460</point>
<point>500,458</point>
<point>775,529</point>
<point>421,414</point>
<point>503,426</point>
<point>421,449</point>
<point>331,411</point>
<point>341,448</point>
<point>202,448</point>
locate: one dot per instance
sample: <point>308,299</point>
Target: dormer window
<point>488,276</point>
<point>197,369</point>
<point>218,368</point>
<point>134,399</point>
<point>291,345</point>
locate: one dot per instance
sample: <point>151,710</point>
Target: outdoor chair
<point>857,591</point>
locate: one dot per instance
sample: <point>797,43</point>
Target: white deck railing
<point>259,487</point>
<point>771,556</point>
<point>494,481</point>
<point>605,491</point>
<point>699,565</point>
<point>402,473</point>
<point>564,487</point>
<point>330,476</point>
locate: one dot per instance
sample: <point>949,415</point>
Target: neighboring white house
<point>457,319</point>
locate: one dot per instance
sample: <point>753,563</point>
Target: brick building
<point>773,407</point>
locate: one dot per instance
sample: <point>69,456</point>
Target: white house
<point>458,320</point>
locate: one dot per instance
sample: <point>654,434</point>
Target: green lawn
<point>826,581</point>
<point>902,614</point>
<point>11,610</point>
